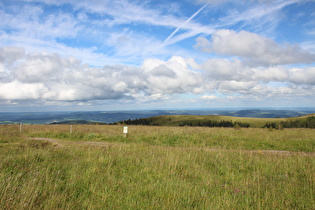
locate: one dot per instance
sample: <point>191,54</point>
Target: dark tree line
<point>141,121</point>
<point>300,123</point>
<point>210,123</point>
<point>270,125</point>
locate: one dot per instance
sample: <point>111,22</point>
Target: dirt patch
<point>62,143</point>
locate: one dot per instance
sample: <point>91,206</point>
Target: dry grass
<point>155,168</point>
<point>302,140</point>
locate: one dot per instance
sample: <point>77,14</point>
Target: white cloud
<point>42,68</point>
<point>2,69</point>
<point>18,90</point>
<point>37,30</point>
<point>133,46</point>
<point>255,48</point>
<point>172,76</point>
<point>30,21</point>
<point>270,74</point>
<point>8,55</point>
<point>236,86</point>
<point>209,97</point>
<point>203,44</point>
<point>299,76</point>
<point>225,69</point>
<point>48,76</point>
<point>261,16</point>
<point>302,76</point>
<point>52,77</point>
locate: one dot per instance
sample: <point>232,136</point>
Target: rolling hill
<point>202,120</point>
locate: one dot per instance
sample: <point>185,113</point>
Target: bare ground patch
<point>62,143</point>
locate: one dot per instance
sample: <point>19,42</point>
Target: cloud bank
<point>132,52</point>
<point>51,77</point>
<point>253,47</point>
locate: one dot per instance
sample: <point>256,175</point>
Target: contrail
<point>179,27</point>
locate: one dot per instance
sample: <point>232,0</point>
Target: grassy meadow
<point>176,120</point>
<point>156,168</point>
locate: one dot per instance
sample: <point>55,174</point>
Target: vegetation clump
<point>222,123</point>
<point>308,122</point>
<point>141,121</point>
<point>208,123</point>
<point>270,125</point>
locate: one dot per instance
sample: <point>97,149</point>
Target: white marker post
<point>125,131</point>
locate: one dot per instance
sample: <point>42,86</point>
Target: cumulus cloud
<point>218,69</point>
<point>270,74</point>
<point>43,67</point>
<point>8,55</point>
<point>254,48</point>
<point>17,90</point>
<point>203,44</point>
<point>303,76</point>
<point>235,86</point>
<point>225,69</point>
<point>52,77</point>
<point>49,76</point>
<point>300,76</point>
<point>172,76</point>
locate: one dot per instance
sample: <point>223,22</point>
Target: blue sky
<point>132,54</point>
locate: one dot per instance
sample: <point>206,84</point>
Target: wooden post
<point>70,129</point>
<point>21,125</point>
<point>125,131</point>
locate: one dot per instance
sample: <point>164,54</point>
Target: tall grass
<point>146,173</point>
<point>219,138</point>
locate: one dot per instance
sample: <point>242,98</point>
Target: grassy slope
<point>299,140</point>
<point>156,168</point>
<point>175,120</point>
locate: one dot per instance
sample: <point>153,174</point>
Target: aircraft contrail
<point>179,27</point>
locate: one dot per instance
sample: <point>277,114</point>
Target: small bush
<point>237,127</point>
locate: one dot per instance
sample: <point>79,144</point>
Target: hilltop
<point>223,121</point>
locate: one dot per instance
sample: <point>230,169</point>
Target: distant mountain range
<point>115,116</point>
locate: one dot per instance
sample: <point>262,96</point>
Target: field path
<point>63,143</point>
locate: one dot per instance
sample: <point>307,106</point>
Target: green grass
<point>156,168</point>
<point>175,120</point>
<point>300,140</point>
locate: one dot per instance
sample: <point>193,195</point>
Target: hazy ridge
<point>115,116</point>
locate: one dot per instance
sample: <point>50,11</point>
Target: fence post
<point>70,129</point>
<point>125,131</point>
<point>21,125</point>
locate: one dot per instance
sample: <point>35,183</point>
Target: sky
<point>69,55</point>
